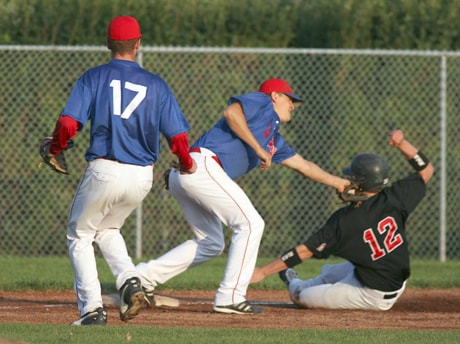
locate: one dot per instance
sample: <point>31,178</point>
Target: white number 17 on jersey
<point>140,90</point>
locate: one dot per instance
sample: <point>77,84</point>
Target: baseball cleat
<point>288,275</point>
<point>132,299</point>
<point>149,297</point>
<point>96,317</point>
<point>239,308</point>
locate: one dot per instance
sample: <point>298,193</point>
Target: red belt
<point>198,150</point>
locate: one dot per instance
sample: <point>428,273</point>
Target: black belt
<point>385,296</point>
<point>390,296</point>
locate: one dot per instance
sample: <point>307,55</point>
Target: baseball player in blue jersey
<point>128,108</point>
<point>245,138</point>
<point>370,233</point>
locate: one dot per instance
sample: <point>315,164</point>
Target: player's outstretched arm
<point>314,172</point>
<point>416,158</point>
<point>289,259</point>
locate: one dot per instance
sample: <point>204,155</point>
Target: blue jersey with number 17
<point>236,157</point>
<point>128,108</point>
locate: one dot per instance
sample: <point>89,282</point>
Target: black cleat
<point>288,275</point>
<point>96,317</point>
<point>239,308</point>
<point>132,299</point>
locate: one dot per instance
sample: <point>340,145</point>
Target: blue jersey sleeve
<point>173,121</point>
<point>282,150</point>
<point>79,102</point>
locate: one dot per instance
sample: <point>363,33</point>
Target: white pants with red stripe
<point>338,288</point>
<point>209,197</point>
<point>107,194</point>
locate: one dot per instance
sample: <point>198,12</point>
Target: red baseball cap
<point>124,28</point>
<point>281,86</point>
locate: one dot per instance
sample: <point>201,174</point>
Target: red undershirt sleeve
<point>179,146</point>
<point>65,129</point>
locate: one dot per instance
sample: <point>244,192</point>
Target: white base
<point>114,300</point>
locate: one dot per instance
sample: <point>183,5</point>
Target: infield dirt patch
<point>436,309</point>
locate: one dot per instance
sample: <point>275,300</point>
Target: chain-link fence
<point>352,100</point>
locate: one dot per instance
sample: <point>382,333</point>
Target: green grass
<point>60,334</point>
<point>55,273</point>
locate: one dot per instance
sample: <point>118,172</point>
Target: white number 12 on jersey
<point>140,90</point>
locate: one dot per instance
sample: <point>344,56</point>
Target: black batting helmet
<point>368,171</point>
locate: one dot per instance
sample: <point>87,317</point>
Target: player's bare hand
<point>396,138</point>
<point>342,185</point>
<point>175,164</point>
<point>257,276</point>
<point>191,170</point>
<point>265,159</point>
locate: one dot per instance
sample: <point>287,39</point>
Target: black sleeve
<point>410,191</point>
<point>322,242</point>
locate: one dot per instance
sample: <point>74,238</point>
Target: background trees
<point>350,24</point>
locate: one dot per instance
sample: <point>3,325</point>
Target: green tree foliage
<point>360,24</point>
<point>378,24</point>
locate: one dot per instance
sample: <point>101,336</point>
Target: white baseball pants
<point>338,288</point>
<point>107,194</point>
<point>209,197</point>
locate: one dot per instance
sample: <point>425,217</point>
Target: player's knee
<point>258,225</point>
<point>253,223</point>
<point>384,306</point>
<point>294,294</point>
<point>213,252</point>
<point>261,223</point>
<point>217,250</point>
<point>212,248</point>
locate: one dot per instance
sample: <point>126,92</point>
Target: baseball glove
<point>352,194</point>
<point>172,164</point>
<point>166,178</point>
<point>56,162</point>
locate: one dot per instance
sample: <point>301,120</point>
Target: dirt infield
<point>417,309</point>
